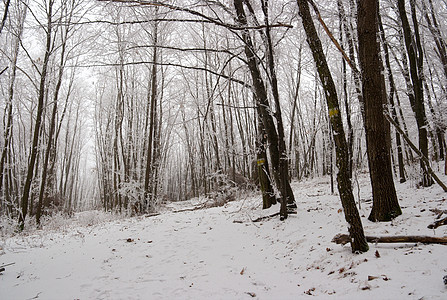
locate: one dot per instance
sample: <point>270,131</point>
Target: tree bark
<point>385,204</point>
<point>268,194</point>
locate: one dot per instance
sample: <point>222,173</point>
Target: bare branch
<point>3,71</point>
<point>196,13</point>
<point>136,22</point>
<point>134,63</point>
<point>331,36</point>
<point>233,55</point>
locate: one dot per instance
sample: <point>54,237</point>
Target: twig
<point>151,215</point>
<point>35,297</point>
<point>6,68</point>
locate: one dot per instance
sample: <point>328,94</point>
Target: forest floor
<point>219,253</point>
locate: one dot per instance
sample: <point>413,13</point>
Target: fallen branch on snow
<point>2,267</point>
<point>151,215</point>
<point>201,206</point>
<point>438,223</point>
<point>344,239</point>
<point>266,217</point>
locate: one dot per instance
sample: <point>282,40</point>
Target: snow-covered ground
<point>219,253</point>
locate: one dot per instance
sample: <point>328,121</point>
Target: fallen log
<point>344,239</point>
<point>438,223</point>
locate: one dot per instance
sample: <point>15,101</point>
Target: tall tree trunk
<point>344,27</point>
<point>52,126</point>
<point>38,122</point>
<point>287,191</point>
<point>415,56</point>
<point>148,197</point>
<point>391,94</point>
<point>433,26</point>
<point>441,46</point>
<point>7,136</point>
<point>292,134</point>
<point>385,204</point>
<point>264,108</point>
<point>358,240</point>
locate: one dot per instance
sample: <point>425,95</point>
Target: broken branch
<point>438,223</point>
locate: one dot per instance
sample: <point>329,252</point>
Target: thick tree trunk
<point>385,204</point>
<point>357,237</point>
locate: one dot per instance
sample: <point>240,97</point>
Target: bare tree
<point>416,59</point>
<point>358,240</point>
<point>39,115</point>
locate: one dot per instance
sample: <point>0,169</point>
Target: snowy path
<point>202,254</point>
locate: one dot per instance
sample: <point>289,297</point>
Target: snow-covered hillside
<point>219,253</point>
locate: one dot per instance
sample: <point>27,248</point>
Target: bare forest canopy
<point>123,105</point>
